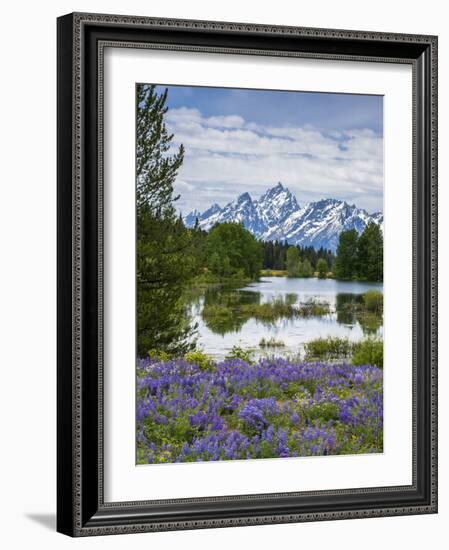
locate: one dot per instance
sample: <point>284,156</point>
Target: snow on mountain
<point>379,218</point>
<point>278,216</point>
<point>320,223</point>
<point>242,210</point>
<point>276,205</point>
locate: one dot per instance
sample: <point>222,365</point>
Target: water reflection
<point>350,310</point>
<point>228,316</point>
<point>345,304</point>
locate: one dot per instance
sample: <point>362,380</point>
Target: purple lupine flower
<point>215,406</point>
<point>294,418</point>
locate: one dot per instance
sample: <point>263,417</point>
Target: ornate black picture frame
<point>81,510</point>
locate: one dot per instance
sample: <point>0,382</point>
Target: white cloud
<point>231,121</point>
<point>184,186</point>
<point>229,153</point>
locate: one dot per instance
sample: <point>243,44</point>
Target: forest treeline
<point>358,257</point>
<point>275,255</point>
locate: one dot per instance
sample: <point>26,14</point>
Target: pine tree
<point>306,270</point>
<point>293,263</point>
<point>322,268</point>
<point>370,253</point>
<point>156,170</point>
<point>165,258</point>
<point>346,261</point>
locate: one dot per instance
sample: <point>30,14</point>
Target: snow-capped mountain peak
<point>244,197</point>
<point>276,204</point>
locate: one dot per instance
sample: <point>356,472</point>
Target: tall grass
<point>271,343</point>
<point>331,347</point>
<point>278,308</point>
<point>366,352</point>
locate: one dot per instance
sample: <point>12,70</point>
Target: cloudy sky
<point>319,145</point>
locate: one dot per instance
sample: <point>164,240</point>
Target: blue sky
<point>318,145</point>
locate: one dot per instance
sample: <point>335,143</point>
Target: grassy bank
<point>273,273</point>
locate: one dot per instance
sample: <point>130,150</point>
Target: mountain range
<point>277,215</point>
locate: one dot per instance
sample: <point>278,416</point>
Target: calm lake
<point>217,338</point>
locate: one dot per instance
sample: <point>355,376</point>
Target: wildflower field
<point>190,411</point>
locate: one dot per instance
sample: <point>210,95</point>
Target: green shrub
<point>373,300</point>
<point>239,353</point>
<point>198,357</point>
<point>369,352</point>
<point>159,355</point>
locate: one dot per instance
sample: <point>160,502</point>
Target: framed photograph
<point>247,283</point>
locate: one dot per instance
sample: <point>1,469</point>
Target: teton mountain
<point>276,215</point>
